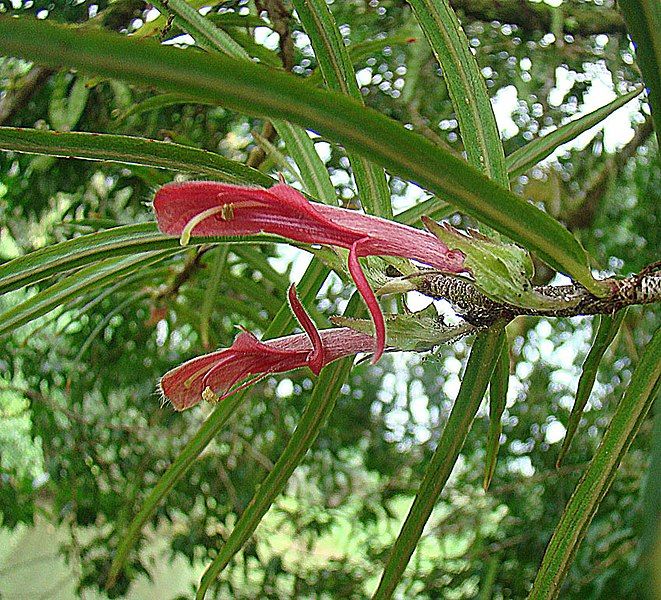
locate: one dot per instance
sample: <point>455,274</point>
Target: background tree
<point>97,304</point>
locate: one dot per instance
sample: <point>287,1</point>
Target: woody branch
<point>481,311</point>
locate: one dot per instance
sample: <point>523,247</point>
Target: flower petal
<point>316,357</point>
<point>372,303</point>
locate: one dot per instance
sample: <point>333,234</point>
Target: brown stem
<point>573,299</point>
<point>191,266</point>
<point>28,86</point>
<point>279,17</point>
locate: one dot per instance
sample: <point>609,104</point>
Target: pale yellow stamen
<point>197,219</point>
<point>208,395</point>
<point>195,376</point>
<point>227,214</point>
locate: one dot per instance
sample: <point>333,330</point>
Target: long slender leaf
<point>218,267</point>
<point>156,103</point>
<point>466,86</point>
<point>525,157</point>
<point>206,34</point>
<point>649,549</point>
<point>338,72</point>
<point>93,247</point>
<point>313,171</point>
<point>607,329</point>
<point>482,360</point>
<point>430,207</point>
<point>129,150</point>
<point>643,19</point>
<point>497,402</point>
<point>595,483</point>
<point>73,286</point>
<point>259,91</point>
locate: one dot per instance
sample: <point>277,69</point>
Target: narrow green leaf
<point>643,19</point>
<point>649,549</point>
<point>314,174</point>
<point>431,207</point>
<point>483,358</point>
<point>206,34</point>
<point>93,247</point>
<point>260,91</point>
<point>595,483</point>
<point>156,103</point>
<point>130,150</point>
<point>74,286</point>
<point>319,407</point>
<point>232,19</point>
<point>466,86</point>
<point>497,402</point>
<point>211,293</point>
<point>67,103</point>
<point>607,328</point>
<point>338,72</point>
<point>307,288</point>
<point>529,155</point>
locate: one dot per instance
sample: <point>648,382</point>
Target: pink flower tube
<point>218,209</point>
<point>214,376</point>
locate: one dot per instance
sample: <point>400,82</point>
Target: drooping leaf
<point>607,328</point>
<point>597,480</point>
<point>256,90</point>
<point>533,152</point>
<point>483,358</point>
<point>131,151</point>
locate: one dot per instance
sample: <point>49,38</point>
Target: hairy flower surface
<point>208,208</point>
<point>214,376</point>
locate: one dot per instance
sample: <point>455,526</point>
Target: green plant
<point>69,297</point>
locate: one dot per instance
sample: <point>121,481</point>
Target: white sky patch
<point>617,127</point>
<point>299,260</point>
<point>555,431</point>
<point>521,465</point>
<point>503,104</point>
<point>323,150</point>
<point>364,76</point>
<point>266,37</point>
<point>285,388</point>
<point>151,15</point>
<point>185,39</point>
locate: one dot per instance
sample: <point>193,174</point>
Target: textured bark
<point>573,300</point>
<point>280,19</point>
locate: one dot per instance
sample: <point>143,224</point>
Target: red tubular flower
<point>218,209</point>
<point>213,376</point>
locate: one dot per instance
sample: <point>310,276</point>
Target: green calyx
<point>501,271</point>
<point>415,332</point>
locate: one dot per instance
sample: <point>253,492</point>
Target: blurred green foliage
<point>83,437</point>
